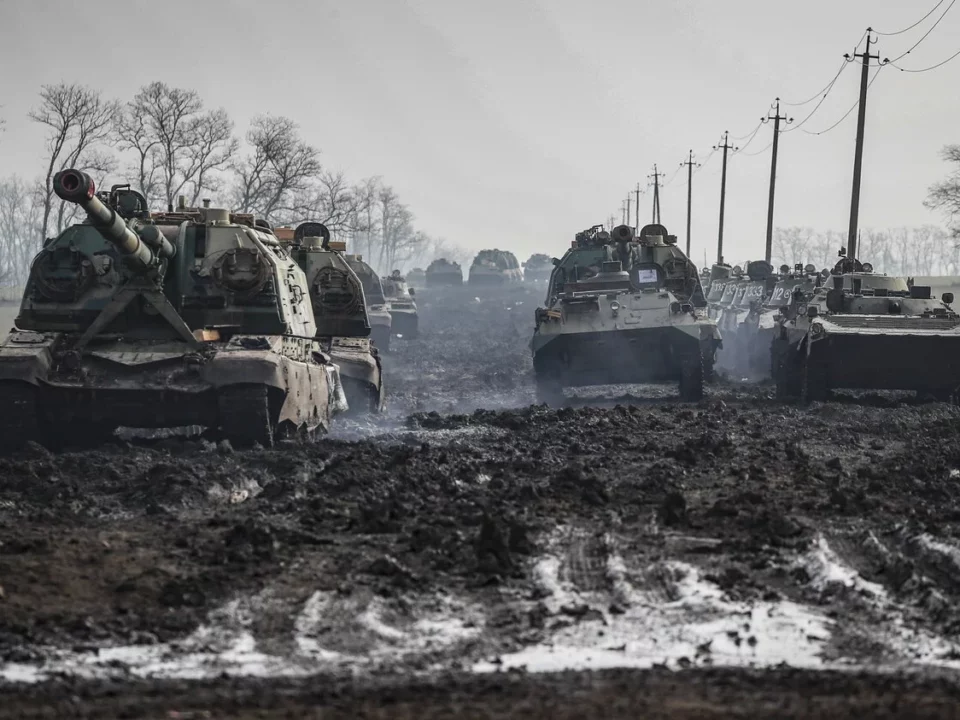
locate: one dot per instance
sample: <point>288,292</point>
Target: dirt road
<point>471,555</point>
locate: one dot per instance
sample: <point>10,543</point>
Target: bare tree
<point>945,195</point>
<point>179,147</point>
<point>275,180</point>
<point>78,121</point>
<point>20,218</point>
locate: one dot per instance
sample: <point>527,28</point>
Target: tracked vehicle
<point>378,314</point>
<point>622,308</point>
<point>339,307</point>
<point>444,273</point>
<point>495,267</point>
<point>865,330</point>
<point>758,330</point>
<point>537,268</point>
<point>401,305</point>
<point>155,320</point>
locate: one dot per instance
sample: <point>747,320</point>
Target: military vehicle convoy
<point>401,305</point>
<point>153,320</point>
<point>444,273</point>
<point>339,307</point>
<point>378,314</point>
<point>866,330</point>
<point>623,308</point>
<point>495,267</point>
<point>537,268</point>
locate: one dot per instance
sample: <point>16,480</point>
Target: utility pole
<point>636,210</point>
<point>689,163</point>
<point>629,199</point>
<point>858,155</point>
<point>656,194</point>
<point>723,190</point>
<point>777,117</point>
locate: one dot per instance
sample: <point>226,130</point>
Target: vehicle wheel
<point>814,382</point>
<point>58,436</point>
<point>245,417</point>
<point>709,359</point>
<point>691,378</point>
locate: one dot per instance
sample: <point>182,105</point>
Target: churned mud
<point>468,554</point>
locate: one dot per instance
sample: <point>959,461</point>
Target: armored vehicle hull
<point>339,305</point>
<point>495,267</point>
<point>603,325</point>
<point>405,319</point>
<point>868,332</point>
<point>443,273</point>
<point>360,373</point>
<point>152,320</point>
<point>252,388</point>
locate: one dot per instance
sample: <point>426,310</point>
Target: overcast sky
<point>515,123</point>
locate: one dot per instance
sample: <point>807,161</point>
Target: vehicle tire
<point>691,378</point>
<point>245,417</point>
<point>814,382</point>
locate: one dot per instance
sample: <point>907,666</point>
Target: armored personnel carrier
<point>623,308</point>
<point>444,273</point>
<point>417,278</point>
<point>339,307</point>
<point>495,267</point>
<point>155,320</point>
<point>537,269</point>
<point>866,330</point>
<point>720,277</point>
<point>378,314</point>
<point>758,330</point>
<point>401,305</point>
<point>749,294</point>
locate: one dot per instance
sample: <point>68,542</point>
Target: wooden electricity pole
<point>723,190</point>
<point>866,57</point>
<point>689,164</point>
<point>777,117</point>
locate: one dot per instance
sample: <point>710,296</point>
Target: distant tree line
<point>167,144</point>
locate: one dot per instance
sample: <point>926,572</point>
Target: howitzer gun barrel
<point>142,248</point>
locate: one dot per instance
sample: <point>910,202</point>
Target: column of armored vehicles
<point>192,317</point>
<point>630,307</point>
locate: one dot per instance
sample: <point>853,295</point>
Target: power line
<point>816,107</point>
<point>906,29</point>
<point>826,89</point>
<point>749,134</point>
<point>924,36</point>
<point>758,152</point>
<point>847,113</point>
<point>752,136</point>
<point>926,69</point>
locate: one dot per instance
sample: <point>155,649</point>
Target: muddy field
<point>471,555</point>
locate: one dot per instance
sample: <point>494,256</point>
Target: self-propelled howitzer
<point>343,324</point>
<point>190,317</point>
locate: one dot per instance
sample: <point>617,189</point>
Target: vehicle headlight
<point>614,306</point>
<point>816,329</point>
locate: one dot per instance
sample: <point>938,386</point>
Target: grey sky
<point>514,123</point>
